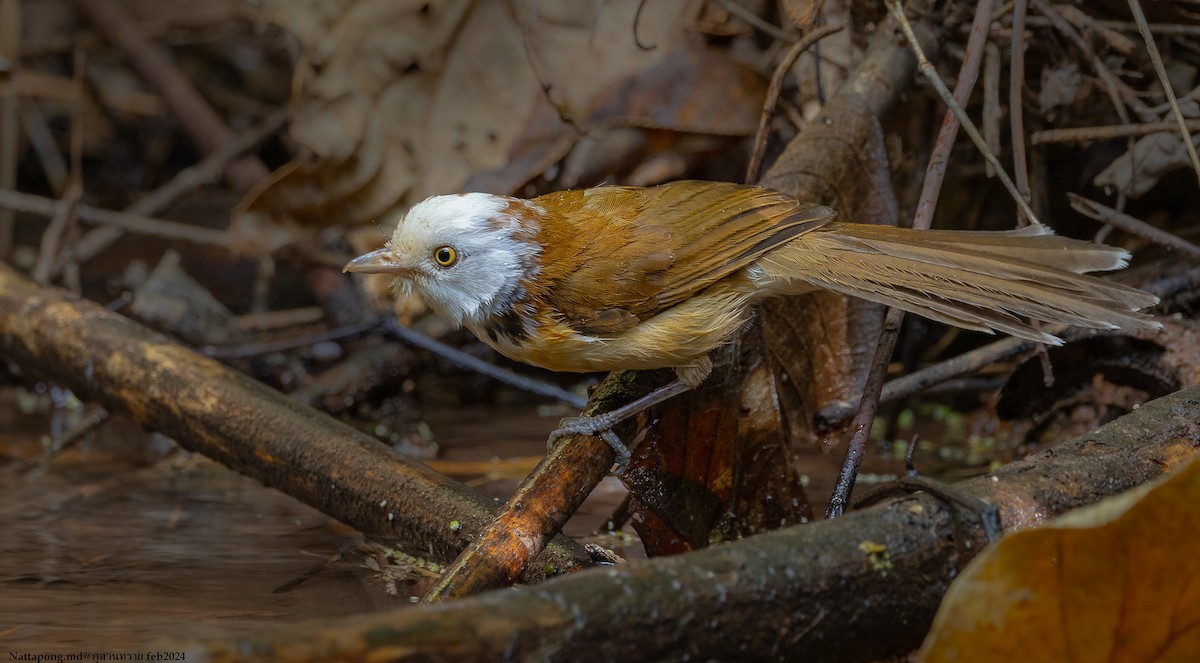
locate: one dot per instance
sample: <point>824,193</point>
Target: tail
<point>985,281</point>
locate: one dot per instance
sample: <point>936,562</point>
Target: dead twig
<point>930,73</point>
<point>991,102</point>
<point>1139,17</point>
<point>26,202</point>
<point>53,255</point>
<point>45,147</point>
<point>868,407</point>
<point>1129,224</point>
<point>65,212</point>
<point>464,360</point>
<point>1165,29</point>
<point>1107,132</point>
<point>754,21</point>
<point>935,172</point>
<point>934,175</point>
<point>1016,110</point>
<point>776,86</point>
<point>10,52</point>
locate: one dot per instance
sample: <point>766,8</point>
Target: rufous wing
<point>621,255</point>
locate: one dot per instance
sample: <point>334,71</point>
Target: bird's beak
<point>382,261</point>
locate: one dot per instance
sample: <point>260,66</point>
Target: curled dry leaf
<point>1117,581</point>
<point>396,101</point>
<point>1140,169</point>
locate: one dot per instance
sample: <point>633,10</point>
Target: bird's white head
<point>465,254</point>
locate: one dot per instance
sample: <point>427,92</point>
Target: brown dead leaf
<point>802,12</point>
<point>1118,581</point>
<point>632,128</point>
<point>396,101</point>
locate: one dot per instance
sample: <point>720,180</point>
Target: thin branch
<point>25,202</point>
<point>1016,110</point>
<point>464,360</point>
<point>1152,48</point>
<point>789,58</point>
<point>968,74</point>
<point>968,126</point>
<point>869,406</point>
<point>1110,216</point>
<point>877,373</point>
<point>1164,29</point>
<point>1107,132</point>
<point>10,52</point>
<point>753,19</point>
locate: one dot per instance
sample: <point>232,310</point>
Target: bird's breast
<point>676,337</point>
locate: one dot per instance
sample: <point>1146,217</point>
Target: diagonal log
<point>227,416</point>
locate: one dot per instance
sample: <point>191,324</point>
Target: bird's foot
<point>599,426</point>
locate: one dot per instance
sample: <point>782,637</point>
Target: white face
<point>466,254</point>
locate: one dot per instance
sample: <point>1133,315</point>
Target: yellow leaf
<point>1118,581</point>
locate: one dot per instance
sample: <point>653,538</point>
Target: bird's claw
<point>597,426</point>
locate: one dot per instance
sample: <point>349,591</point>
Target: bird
<point>618,277</point>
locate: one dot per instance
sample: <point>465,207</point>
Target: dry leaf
<point>396,101</point>
<point>1117,581</point>
<point>1139,170</point>
<point>802,12</point>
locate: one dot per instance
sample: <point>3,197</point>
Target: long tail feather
<point>985,281</point>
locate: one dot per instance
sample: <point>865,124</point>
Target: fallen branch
<point>858,588</point>
<point>213,410</point>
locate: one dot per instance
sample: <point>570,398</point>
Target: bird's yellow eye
<point>445,256</point>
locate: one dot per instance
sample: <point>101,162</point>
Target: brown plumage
<point>634,278</point>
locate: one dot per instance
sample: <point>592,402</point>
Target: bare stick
<point>455,356</point>
<point>866,414</point>
<point>1107,132</point>
<point>1016,112</point>
<point>753,19</point>
<point>991,101</point>
<point>1108,215</point>
<point>1140,18</point>
<point>25,202</point>
<point>877,373</point>
<point>935,173</point>
<point>930,73</point>
<point>206,171</point>
<point>789,58</point>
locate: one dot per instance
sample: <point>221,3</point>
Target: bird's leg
<point>601,424</point>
